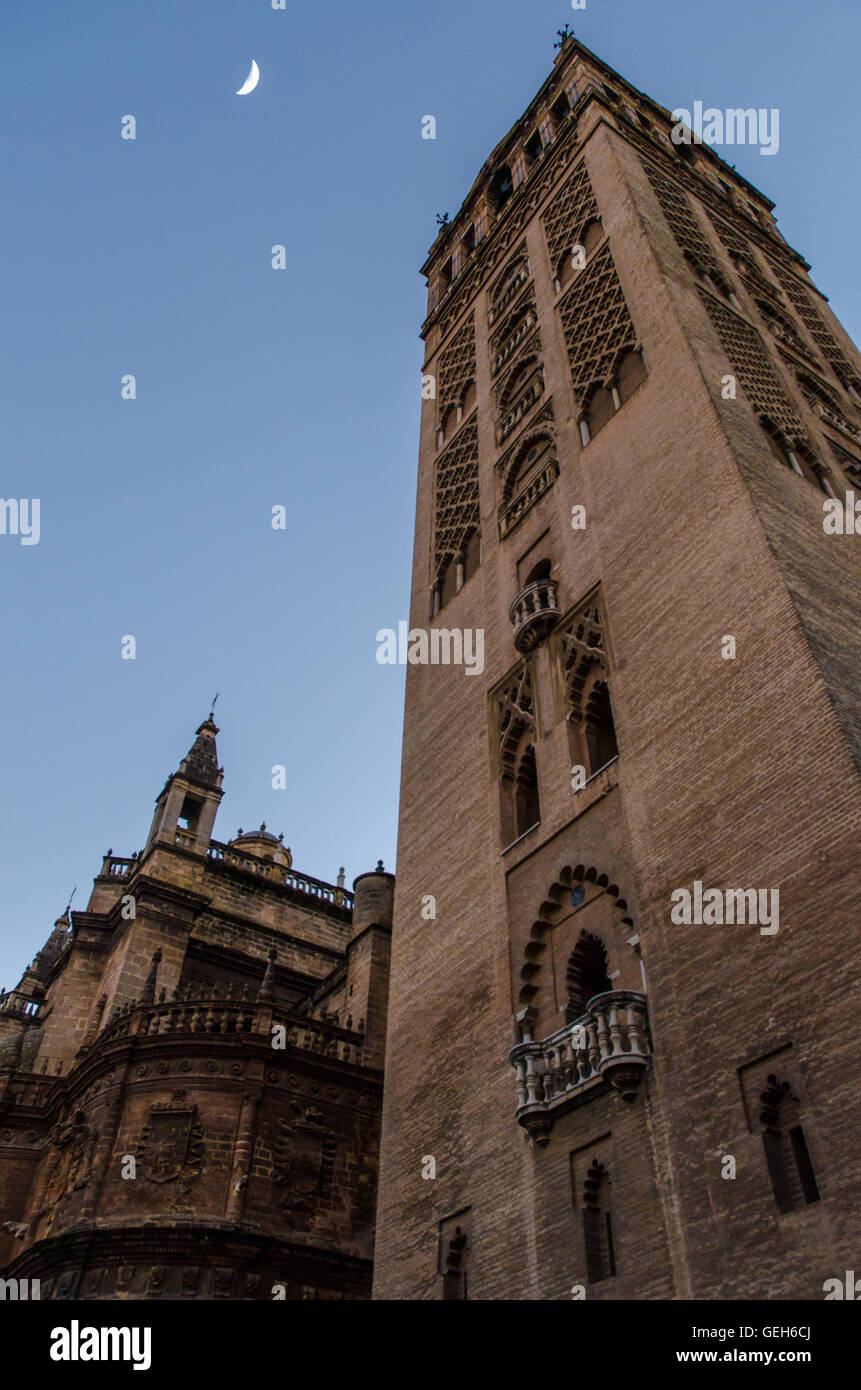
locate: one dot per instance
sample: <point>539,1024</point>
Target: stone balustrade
<point>21,1006</point>
<point>507,348</point>
<point>213,1014</point>
<point>839,422</point>
<point>279,873</point>
<point>116,868</point>
<point>511,290</point>
<point>609,1041</point>
<point>527,497</point>
<point>522,404</point>
<point>533,612</point>
<point>28,1090</point>
<point>113,866</point>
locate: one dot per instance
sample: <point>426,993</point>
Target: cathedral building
<point>191,1072</point>
<point>624,1007</point>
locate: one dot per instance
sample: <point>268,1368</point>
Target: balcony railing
<point>533,613</point>
<point>16,1005</point>
<point>508,347</point>
<point>527,497</point>
<point>831,417</point>
<point>279,873</point>
<point>609,1042</point>
<point>114,866</point>
<point>218,1015</point>
<point>524,403</point>
<point>512,289</point>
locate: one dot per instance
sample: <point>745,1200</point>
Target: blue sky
<point>257,388</point>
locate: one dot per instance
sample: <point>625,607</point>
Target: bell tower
<point>186,806</point>
<point>643,414</point>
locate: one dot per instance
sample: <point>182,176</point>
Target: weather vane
<point>212,706</point>
<point>71,895</point>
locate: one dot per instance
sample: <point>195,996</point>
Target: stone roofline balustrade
<point>213,1014</point>
<point>533,613</point>
<point>21,1006</point>
<point>116,868</point>
<point>609,1041</point>
<point>278,873</point>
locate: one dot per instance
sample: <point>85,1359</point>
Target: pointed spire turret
<point>186,806</point>
<point>148,995</point>
<point>266,992</point>
<point>53,947</point>
<point>200,764</point>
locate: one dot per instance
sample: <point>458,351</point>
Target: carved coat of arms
<point>303,1159</point>
<point>171,1145</point>
<point>74,1146</point>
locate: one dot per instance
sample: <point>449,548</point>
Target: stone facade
<point>191,1072</point>
<point>639,406</point>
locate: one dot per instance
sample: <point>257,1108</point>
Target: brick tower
<point>637,412</point>
<point>191,1072</point>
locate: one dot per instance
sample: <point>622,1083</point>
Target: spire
<point>186,805</point>
<point>53,947</point>
<point>200,764</point>
<point>148,995</point>
<point>266,992</point>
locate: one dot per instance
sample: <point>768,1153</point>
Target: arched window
<point>592,236</point>
<point>630,373</point>
<point>586,976</point>
<point>527,809</point>
<point>601,408</point>
<point>468,400</point>
<point>529,459</point>
<point>447,583</point>
<point>797,458</point>
<point>501,188</point>
<point>446,426</point>
<point>539,571</point>
<point>597,1225</point>
<point>471,556</point>
<point>600,730</point>
<point>789,1167</point>
<point>515,384</point>
<point>456,1261</point>
<point>508,285</point>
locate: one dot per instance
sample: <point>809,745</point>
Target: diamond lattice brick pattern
<point>596,323</point>
<point>683,223</point>
<point>457,367</point>
<point>743,347</point>
<point>457,507</point>
<point>564,220</point>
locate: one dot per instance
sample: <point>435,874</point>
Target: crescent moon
<point>251,80</point>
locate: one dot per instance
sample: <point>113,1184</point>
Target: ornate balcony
<point>609,1044</point>
<point>533,613</point>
